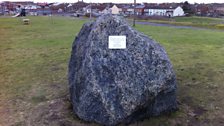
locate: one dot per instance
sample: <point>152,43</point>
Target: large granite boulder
<point>112,86</point>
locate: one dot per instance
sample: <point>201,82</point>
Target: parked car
<point>77,14</point>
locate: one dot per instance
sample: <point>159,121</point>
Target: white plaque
<point>117,42</point>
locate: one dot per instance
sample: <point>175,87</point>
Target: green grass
<point>202,22</point>
<point>35,52</point>
<point>198,59</point>
<point>33,72</point>
<point>34,59</point>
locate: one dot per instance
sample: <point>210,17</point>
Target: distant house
<point>219,11</point>
<point>112,9</point>
<point>87,9</point>
<point>78,6</point>
<point>103,9</point>
<point>43,9</point>
<point>139,9</point>
<point>13,7</point>
<point>31,9</point>
<point>96,8</point>
<point>7,6</point>
<point>128,10</point>
<point>178,12</point>
<point>115,9</point>
<point>163,11</point>
<point>59,7</point>
<point>202,10</point>
<point>106,10</point>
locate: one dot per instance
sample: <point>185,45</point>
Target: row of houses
<point>145,9</point>
<point>96,8</point>
<point>129,9</point>
<point>214,9</point>
<point>149,10</point>
<point>153,9</point>
<point>32,8</point>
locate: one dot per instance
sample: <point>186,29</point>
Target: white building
<point>162,11</point>
<point>115,10</point>
<point>31,9</point>
<point>178,12</point>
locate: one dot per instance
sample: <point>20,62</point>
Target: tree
<point>187,8</point>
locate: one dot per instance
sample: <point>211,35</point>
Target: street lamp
<point>134,13</point>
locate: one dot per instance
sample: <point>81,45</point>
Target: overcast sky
<point>126,1</point>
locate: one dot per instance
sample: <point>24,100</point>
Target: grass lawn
<point>203,22</point>
<point>196,19</point>
<point>33,73</point>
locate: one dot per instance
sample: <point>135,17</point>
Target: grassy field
<point>33,73</point>
<point>202,22</point>
<point>196,19</point>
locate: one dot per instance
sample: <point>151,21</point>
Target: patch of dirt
<point>54,113</point>
<point>199,111</point>
<point>10,116</point>
<point>4,112</point>
<point>187,100</point>
<point>194,117</point>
